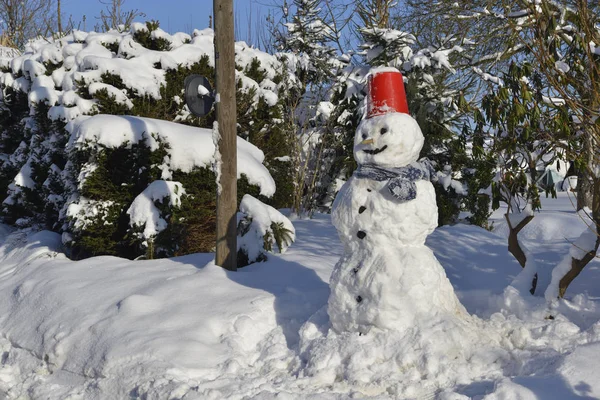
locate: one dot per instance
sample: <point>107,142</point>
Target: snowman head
<point>389,136</point>
<point>390,140</point>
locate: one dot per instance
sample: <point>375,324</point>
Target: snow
<point>324,110</point>
<point>445,178</point>
<point>42,90</point>
<point>85,210</point>
<point>544,229</point>
<point>570,183</point>
<point>189,147</point>
<point>185,328</point>
<point>32,69</point>
<point>554,101</point>
<point>248,85</point>
<point>7,54</point>
<point>142,77</point>
<point>488,77</point>
<point>143,211</point>
<point>216,138</point>
<point>584,244</point>
<point>120,96</point>
<point>516,215</point>
<point>562,66</point>
<point>381,70</point>
<point>23,178</point>
<point>202,91</point>
<point>594,48</point>
<point>580,367</point>
<point>438,58</point>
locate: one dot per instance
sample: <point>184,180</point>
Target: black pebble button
<point>368,190</point>
<point>362,209</point>
<point>361,234</point>
<point>358,299</point>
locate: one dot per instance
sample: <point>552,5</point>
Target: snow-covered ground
<point>183,328</point>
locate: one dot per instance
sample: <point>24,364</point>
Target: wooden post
<point>226,117</point>
<point>58,18</point>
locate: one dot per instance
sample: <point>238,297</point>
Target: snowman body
<point>387,278</point>
<point>366,205</point>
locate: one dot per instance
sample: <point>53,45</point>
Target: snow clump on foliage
<point>261,229</point>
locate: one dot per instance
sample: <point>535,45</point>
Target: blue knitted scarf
<point>401,180</point>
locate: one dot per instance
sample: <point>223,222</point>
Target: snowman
<point>387,278</point>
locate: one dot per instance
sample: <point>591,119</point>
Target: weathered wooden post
<point>199,99</point>
<point>227,124</point>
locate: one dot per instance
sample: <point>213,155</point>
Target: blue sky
<point>174,15</point>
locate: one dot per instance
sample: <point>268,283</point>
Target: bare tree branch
<point>114,17</point>
<point>25,19</point>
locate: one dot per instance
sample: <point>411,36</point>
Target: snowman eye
<point>383,130</point>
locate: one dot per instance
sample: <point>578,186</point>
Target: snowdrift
<point>185,329</point>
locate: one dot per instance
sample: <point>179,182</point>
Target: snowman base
<point>414,363</point>
<point>392,288</point>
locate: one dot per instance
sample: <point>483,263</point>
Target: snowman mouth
<point>376,151</point>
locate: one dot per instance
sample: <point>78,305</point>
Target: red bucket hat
<point>386,92</point>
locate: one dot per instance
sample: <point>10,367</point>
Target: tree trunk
<point>578,265</point>
<point>514,247</point>
<point>576,268</point>
<point>585,185</point>
<point>584,190</point>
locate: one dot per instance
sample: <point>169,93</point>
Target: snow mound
<point>189,147</point>
<point>156,328</point>
<point>547,226</point>
<point>580,370</point>
<point>414,363</point>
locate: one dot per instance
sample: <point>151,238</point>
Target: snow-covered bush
<point>117,159</point>
<point>261,229</point>
<point>59,175</point>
